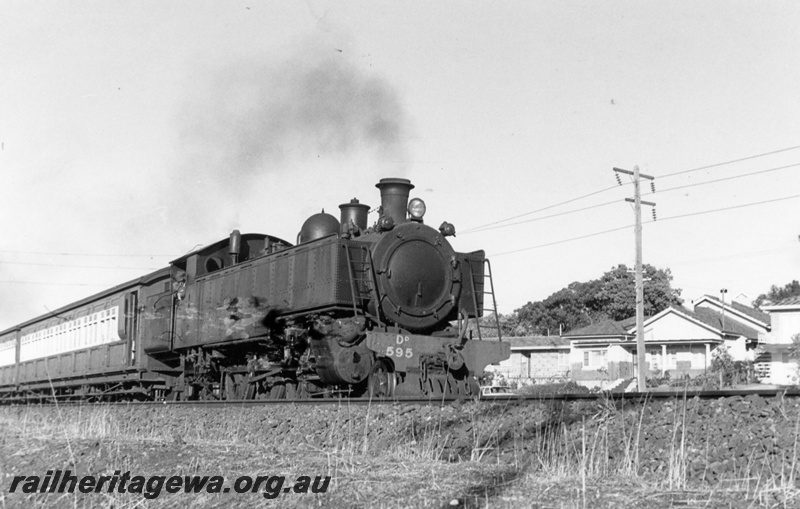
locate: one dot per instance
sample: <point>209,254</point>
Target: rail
<point>504,398</point>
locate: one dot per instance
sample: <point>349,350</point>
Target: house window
<point>594,359</point>
<point>672,357</point>
<point>696,355</point>
<point>653,357</point>
<point>563,361</point>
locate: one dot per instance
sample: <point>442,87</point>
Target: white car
<point>495,392</point>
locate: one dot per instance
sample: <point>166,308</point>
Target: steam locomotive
<point>380,311</point>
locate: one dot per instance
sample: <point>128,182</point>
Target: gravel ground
<point>737,452</point>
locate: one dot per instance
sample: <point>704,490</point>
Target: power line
<point>732,207</point>
<point>484,226</point>
<point>76,266</point>
<point>54,253</point>
<point>479,230</point>
<point>732,256</point>
<point>495,225</point>
<point>470,230</point>
<point>563,241</point>
<point>50,283</point>
<point>660,220</point>
<point>728,178</point>
<point>730,162</point>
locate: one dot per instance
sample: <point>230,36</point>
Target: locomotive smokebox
<point>394,197</point>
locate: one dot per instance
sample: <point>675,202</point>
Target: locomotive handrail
<point>374,286</point>
<point>487,275</point>
<point>494,301</point>
<point>352,279</point>
<point>474,300</point>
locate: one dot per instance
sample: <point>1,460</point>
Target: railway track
<point>723,433</point>
<point>505,398</point>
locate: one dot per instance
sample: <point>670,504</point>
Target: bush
<point>553,389</point>
<point>725,372</point>
<point>657,381</point>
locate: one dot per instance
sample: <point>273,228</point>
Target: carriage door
<point>156,321</point>
<point>129,326</point>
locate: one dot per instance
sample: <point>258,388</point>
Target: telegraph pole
<point>637,201</point>
<point>723,292</point>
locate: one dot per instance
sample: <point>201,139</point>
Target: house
<point>601,353</point>
<point>776,364</point>
<point>678,342</point>
<point>736,312</point>
<point>535,359</point>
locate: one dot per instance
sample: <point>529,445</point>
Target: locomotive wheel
<point>230,387</point>
<point>381,381</point>
<point>277,391</point>
<point>235,386</point>
<point>204,393</point>
<point>302,390</point>
<point>435,386</point>
<point>250,390</point>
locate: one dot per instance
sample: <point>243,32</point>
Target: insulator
<point>654,214</point>
<point>619,180</point>
<point>652,186</point>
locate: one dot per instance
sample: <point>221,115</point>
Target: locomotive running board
<point>405,350</point>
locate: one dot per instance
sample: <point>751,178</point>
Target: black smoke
<point>253,117</point>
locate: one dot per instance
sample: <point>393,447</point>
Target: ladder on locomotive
<point>362,280</point>
<point>484,279</point>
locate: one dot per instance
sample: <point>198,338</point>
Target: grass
<point>474,456</point>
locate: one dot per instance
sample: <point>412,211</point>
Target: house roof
<point>753,313</point>
<point>789,301</point>
<point>626,328</point>
<point>716,320</point>
<point>681,311</point>
<point>604,328</point>
<point>537,342</point>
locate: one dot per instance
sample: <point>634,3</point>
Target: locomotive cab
<point>225,253</point>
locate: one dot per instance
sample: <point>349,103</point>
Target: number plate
<point>404,349</point>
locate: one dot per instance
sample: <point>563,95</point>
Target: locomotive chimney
<point>394,197</point>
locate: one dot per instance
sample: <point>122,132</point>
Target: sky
<point>133,132</point>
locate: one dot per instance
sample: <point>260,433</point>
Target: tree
<point>617,296</point>
<point>775,294</point>
<point>613,297</point>
<point>726,372</point>
<point>569,308</point>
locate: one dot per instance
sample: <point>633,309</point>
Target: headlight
<point>416,209</point>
